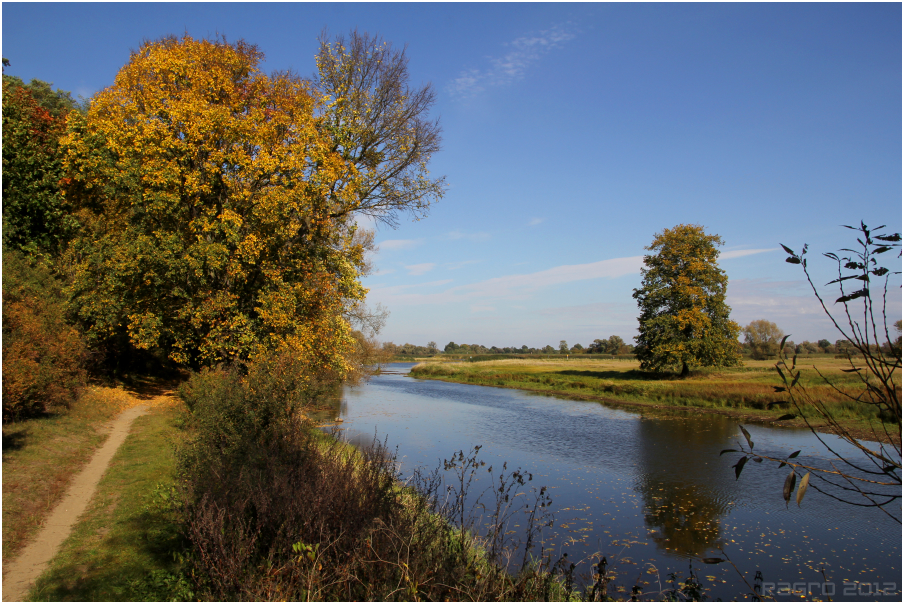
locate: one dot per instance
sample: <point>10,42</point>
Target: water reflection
<point>681,487</point>
<point>650,489</point>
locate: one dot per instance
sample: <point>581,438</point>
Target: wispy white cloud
<point>789,304</point>
<point>503,286</point>
<point>454,266</point>
<point>513,64</point>
<point>598,310</point>
<point>400,244</point>
<point>456,235</point>
<point>535,221</point>
<point>392,291</point>
<point>420,269</point>
<point>513,287</point>
<point>739,253</point>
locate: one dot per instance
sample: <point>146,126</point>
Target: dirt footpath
<point>23,571</point>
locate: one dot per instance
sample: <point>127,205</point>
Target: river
<point>652,494</point>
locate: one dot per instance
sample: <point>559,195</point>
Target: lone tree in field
<point>763,337</point>
<point>683,316</point>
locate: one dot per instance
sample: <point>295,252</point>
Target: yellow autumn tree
<point>216,215</point>
<point>684,319</point>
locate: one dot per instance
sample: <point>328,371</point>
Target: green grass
<point>744,391</point>
<point>41,455</point>
<point>123,547</point>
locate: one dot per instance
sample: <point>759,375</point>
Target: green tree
<point>35,216</point>
<point>218,204</point>
<point>614,345</point>
<point>58,103</point>
<point>763,337</point>
<point>684,319</point>
<point>563,347</point>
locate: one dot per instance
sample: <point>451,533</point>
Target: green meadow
<point>747,392</point>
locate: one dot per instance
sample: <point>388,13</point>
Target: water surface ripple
<point>650,492</point>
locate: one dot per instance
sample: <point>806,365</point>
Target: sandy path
<point>23,571</point>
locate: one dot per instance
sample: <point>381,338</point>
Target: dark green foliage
<point>34,213</point>
<point>57,102</point>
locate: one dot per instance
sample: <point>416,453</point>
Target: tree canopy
<point>379,125</point>
<point>763,337</point>
<point>217,213</point>
<point>34,213</point>
<point>684,319</point>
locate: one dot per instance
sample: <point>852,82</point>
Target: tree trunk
<point>685,370</point>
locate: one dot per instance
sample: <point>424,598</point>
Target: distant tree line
<point>612,345</point>
<point>761,341</point>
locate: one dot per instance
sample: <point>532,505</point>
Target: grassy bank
<point>273,510</point>
<point>743,392</point>
<point>42,454</point>
<point>123,546</point>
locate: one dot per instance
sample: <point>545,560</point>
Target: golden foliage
<point>215,213</point>
<point>684,319</point>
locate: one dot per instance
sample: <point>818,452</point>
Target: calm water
<point>648,493</point>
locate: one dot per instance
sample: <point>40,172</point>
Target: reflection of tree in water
<point>328,407</point>
<point>686,522</point>
<point>680,480</point>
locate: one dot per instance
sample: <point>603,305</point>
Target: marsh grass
<point>123,546</point>
<point>747,390</point>
<point>41,455</point>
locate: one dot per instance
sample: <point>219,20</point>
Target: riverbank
<point>743,393</point>
<point>320,509</point>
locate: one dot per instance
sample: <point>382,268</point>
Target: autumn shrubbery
<point>43,356</point>
<point>275,509</point>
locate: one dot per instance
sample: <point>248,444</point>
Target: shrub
<point>274,509</point>
<point>43,356</point>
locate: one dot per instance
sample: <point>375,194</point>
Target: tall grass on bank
<point>273,509</point>
<point>276,510</point>
<point>750,389</point>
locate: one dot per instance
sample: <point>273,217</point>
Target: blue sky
<point>572,134</point>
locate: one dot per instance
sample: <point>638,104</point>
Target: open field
<point>743,392</point>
